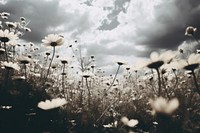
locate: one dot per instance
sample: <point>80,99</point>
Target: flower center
<point>120,63</point>
<point>53,44</point>
<point>86,76</point>
<point>24,61</point>
<point>63,61</point>
<point>4,39</point>
<point>156,64</point>
<point>191,66</point>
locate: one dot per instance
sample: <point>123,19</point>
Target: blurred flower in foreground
<point>161,105</point>
<point>24,60</point>
<point>108,126</point>
<point>5,107</point>
<point>191,63</point>
<point>198,51</point>
<point>130,123</point>
<point>53,40</point>
<point>190,30</point>
<point>19,78</point>
<point>157,60</point>
<point>10,65</point>
<point>54,103</point>
<point>2,51</point>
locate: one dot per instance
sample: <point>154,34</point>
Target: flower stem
<point>25,71</point>
<point>176,83</point>
<point>6,51</point>
<point>50,62</point>
<point>195,82</point>
<point>63,85</point>
<point>13,53</point>
<point>89,93</point>
<point>114,77</point>
<point>159,82</point>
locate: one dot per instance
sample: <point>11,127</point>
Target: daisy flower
<point>6,36</point>
<point>10,65</point>
<point>22,18</point>
<point>51,104</point>
<point>64,61</point>
<point>161,105</point>
<point>2,51</point>
<point>24,60</point>
<point>86,74</point>
<point>190,30</point>
<point>129,123</point>
<point>27,29</point>
<point>11,24</point>
<point>53,40</point>
<point>191,63</point>
<point>4,15</point>
<point>157,60</point>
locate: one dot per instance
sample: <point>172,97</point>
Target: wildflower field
<point>43,92</point>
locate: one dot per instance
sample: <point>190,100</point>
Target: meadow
<point>44,92</point>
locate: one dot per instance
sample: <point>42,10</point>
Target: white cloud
<point>139,21</point>
<point>103,3</point>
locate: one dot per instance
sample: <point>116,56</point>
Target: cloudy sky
<point>110,29</point>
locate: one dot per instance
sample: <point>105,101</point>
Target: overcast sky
<point>110,29</point>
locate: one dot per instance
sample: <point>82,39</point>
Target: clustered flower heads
<point>164,106</point>
<point>53,40</point>
<point>54,103</point>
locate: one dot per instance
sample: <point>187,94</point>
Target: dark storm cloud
<point>42,16</point>
<point>174,18</point>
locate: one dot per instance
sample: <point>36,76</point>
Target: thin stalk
<point>89,93</point>
<point>159,82</point>
<point>104,112</point>
<point>164,85</point>
<point>25,71</point>
<point>153,88</point>
<point>195,82</point>
<point>86,82</point>
<point>136,79</point>
<point>50,62</point>
<point>6,51</point>
<point>13,53</point>
<point>114,77</point>
<point>176,83</point>
<point>63,85</point>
